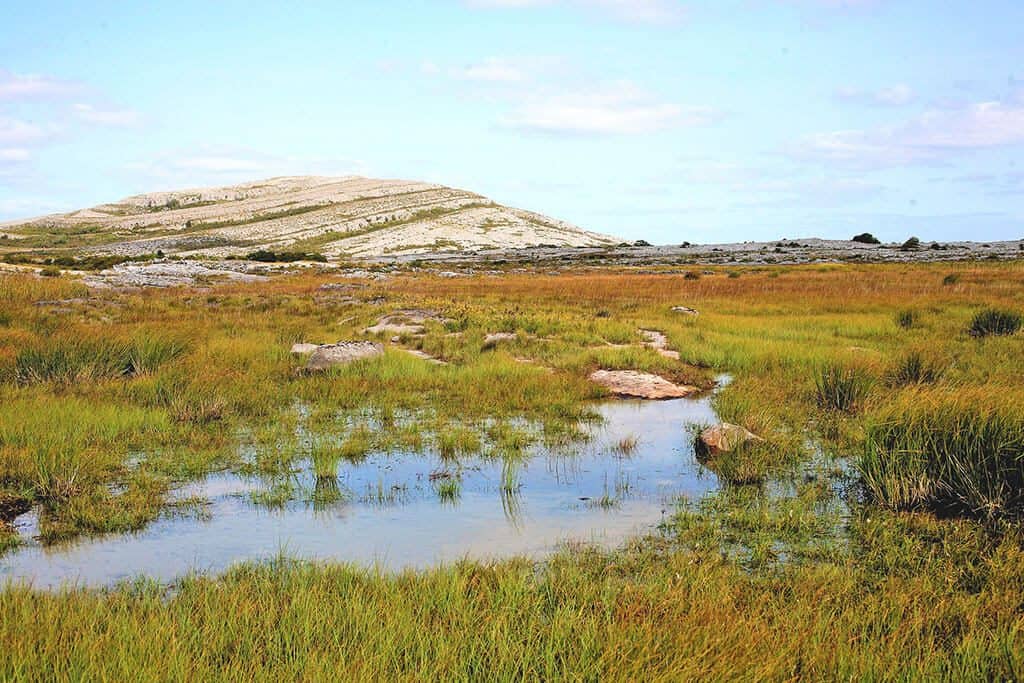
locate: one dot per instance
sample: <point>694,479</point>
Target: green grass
<point>958,452</point>
<point>841,388</point>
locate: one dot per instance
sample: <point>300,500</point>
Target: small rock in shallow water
<point>640,384</point>
<point>329,355</point>
<point>726,437</point>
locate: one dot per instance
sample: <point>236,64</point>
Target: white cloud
<point>929,138</point>
<point>607,110</point>
<point>105,117</point>
<point>892,96</point>
<point>17,132</point>
<point>28,86</point>
<point>647,11</point>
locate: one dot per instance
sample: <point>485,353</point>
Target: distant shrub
<point>841,388</point>
<point>641,243</point>
<point>266,256</point>
<point>995,322</point>
<point>951,279</point>
<point>691,275</point>
<point>907,318</point>
<point>866,238</point>
<point>50,271</point>
<point>912,244</point>
<point>733,274</point>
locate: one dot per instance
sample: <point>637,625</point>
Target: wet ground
<point>409,510</point>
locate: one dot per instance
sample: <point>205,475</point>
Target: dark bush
<point>993,321</point>
<point>866,238</point>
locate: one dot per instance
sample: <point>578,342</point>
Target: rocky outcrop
<point>726,437</point>
<point>635,384</point>
<point>330,355</point>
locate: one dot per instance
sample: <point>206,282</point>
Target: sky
<point>664,120</point>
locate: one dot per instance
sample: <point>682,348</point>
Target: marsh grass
<point>992,321</point>
<point>745,584</point>
<point>915,367</point>
<point>841,388</point>
<point>907,318</point>
<point>961,452</point>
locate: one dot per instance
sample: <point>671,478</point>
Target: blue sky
<point>666,120</point>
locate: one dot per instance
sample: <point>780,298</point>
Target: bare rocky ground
<point>779,252</point>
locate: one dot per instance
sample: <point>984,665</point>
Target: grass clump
<point>907,318</point>
<point>915,368</point>
<point>951,279</point>
<point>841,388</point>
<point>993,321</point>
<point>961,454</point>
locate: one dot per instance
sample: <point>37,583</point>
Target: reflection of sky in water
<point>555,500</point>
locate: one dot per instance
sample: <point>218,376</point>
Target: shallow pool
<point>393,513</point>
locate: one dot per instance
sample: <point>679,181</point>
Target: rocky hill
<point>336,217</point>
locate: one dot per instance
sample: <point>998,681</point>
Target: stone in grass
<point>303,349</point>
<point>495,338</point>
<point>329,355</point>
<point>725,437</point>
<point>640,384</point>
<point>686,310</point>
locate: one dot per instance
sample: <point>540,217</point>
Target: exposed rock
<point>686,310</point>
<point>171,274</point>
<point>329,355</point>
<point>303,349</point>
<point>495,338</point>
<point>640,384</point>
<point>726,437</point>
<point>659,342</point>
<point>410,322</point>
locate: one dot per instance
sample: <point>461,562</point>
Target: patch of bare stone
<point>634,384</point>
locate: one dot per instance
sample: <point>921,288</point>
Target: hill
<point>337,217</point>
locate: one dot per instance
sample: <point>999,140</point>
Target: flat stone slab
<point>409,322</point>
<point>685,310</point>
<point>656,340</point>
<point>640,384</point>
<point>330,355</point>
<point>303,349</point>
<point>726,437</point>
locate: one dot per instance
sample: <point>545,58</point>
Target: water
<point>393,516</point>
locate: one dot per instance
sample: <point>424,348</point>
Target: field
<point>874,533</point>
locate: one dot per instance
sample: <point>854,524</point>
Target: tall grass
<point>962,452</point>
<point>71,359</point>
<point>842,388</point>
<point>992,321</point>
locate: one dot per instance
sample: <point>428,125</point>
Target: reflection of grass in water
<point>384,494</point>
<point>275,496</point>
